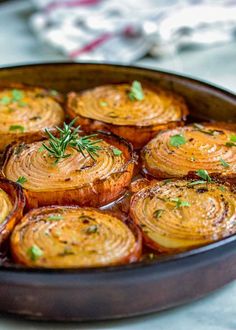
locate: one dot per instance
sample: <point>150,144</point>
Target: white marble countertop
<point>216,65</point>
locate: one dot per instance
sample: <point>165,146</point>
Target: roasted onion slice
<point>12,202</point>
<point>178,215</point>
<point>74,180</point>
<point>25,112</point>
<point>175,153</point>
<point>110,108</point>
<point>73,237</point>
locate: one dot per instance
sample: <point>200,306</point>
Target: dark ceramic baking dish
<point>115,292</point>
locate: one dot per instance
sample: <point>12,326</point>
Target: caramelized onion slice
<point>110,108</point>
<point>12,202</point>
<point>72,237</point>
<point>199,147</point>
<point>176,216</point>
<point>75,180</point>
<point>25,112</point>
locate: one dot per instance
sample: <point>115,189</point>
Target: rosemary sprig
<point>69,136</point>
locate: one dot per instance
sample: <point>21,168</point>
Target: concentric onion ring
<point>109,108</point>
<point>72,237</point>
<point>209,151</point>
<point>176,216</point>
<point>25,113</point>
<point>12,202</point>
<point>75,180</point>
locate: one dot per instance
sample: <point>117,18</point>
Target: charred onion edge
<point>134,257</point>
<point>138,135</point>
<point>93,199</point>
<point>17,197</point>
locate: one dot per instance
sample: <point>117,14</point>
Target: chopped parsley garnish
<point>55,217</point>
<point>233,138</point>
<point>116,152</point>
<point>177,140</point>
<point>103,104</point>
<point>158,213</point>
<point>203,174</point>
<point>179,202</point>
<point>232,142</point>
<point>5,100</point>
<point>17,128</point>
<point>16,97</point>
<point>34,252</point>
<point>136,91</point>
<point>223,162</point>
<point>21,180</point>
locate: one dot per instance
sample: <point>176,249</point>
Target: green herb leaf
<point>233,138</point>
<point>17,128</point>
<point>103,104</point>
<point>223,162</point>
<point>21,180</point>
<point>136,91</point>
<point>17,95</point>
<point>204,175</point>
<point>116,152</point>
<point>55,217</point>
<point>5,100</point>
<point>158,213</point>
<point>177,140</point>
<point>34,252</point>
<point>179,203</point>
<point>232,142</point>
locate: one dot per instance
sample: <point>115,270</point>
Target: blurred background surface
<point>196,38</point>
